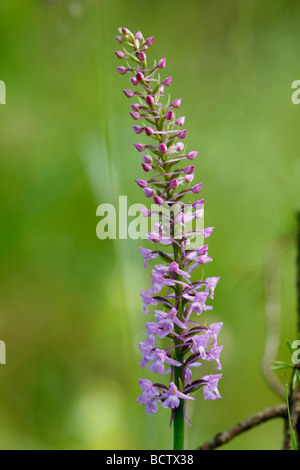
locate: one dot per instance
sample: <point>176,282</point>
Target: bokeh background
<point>70,306</point>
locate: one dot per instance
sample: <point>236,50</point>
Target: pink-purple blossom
<point>172,397</point>
<point>148,255</point>
<point>210,389</point>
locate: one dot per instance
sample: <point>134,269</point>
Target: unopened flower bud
<point>158,200</point>
<point>167,81</point>
<point>135,107</point>
<point>145,212</point>
<point>137,129</point>
<point>180,121</point>
<point>140,77</point>
<point>182,134</point>
<point>148,192</point>
<point>177,103</point>
<point>120,54</point>
<point>180,218</point>
<point>189,169</point>
<point>135,115</point>
<point>199,213</point>
<point>163,148</point>
<point>161,63</point>
<point>142,56</point>
<point>197,188</point>
<point>146,167</point>
<point>138,36</point>
<point>149,41</point>
<point>154,237</point>
<point>129,93</point>
<point>198,204</point>
<point>207,232</point>
<point>173,268</point>
<point>150,100</point>
<point>122,70</point>
<point>142,183</point>
<point>179,146</point>
<point>189,178</point>
<point>147,159</point>
<point>192,155</point>
<point>169,115</point>
<point>139,147</point>
<point>149,131</point>
<point>134,81</point>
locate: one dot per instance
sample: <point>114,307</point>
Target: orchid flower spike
<point>178,340</point>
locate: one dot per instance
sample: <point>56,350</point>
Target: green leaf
<point>164,256</point>
<point>131,56</point>
<point>290,346</point>
<point>282,365</point>
<point>155,89</point>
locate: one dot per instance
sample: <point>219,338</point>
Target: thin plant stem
<point>178,429</point>
<point>292,437</point>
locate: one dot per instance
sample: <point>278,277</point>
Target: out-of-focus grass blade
<point>295,379</point>
<point>289,415</point>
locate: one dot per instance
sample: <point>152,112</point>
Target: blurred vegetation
<point>70,306</point>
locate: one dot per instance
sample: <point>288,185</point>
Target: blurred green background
<point>70,306</point>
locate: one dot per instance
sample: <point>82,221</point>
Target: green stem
<point>178,430</point>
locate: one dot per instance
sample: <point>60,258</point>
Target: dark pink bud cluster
<point>175,297</point>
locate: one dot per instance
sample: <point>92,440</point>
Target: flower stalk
<point>175,342</point>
